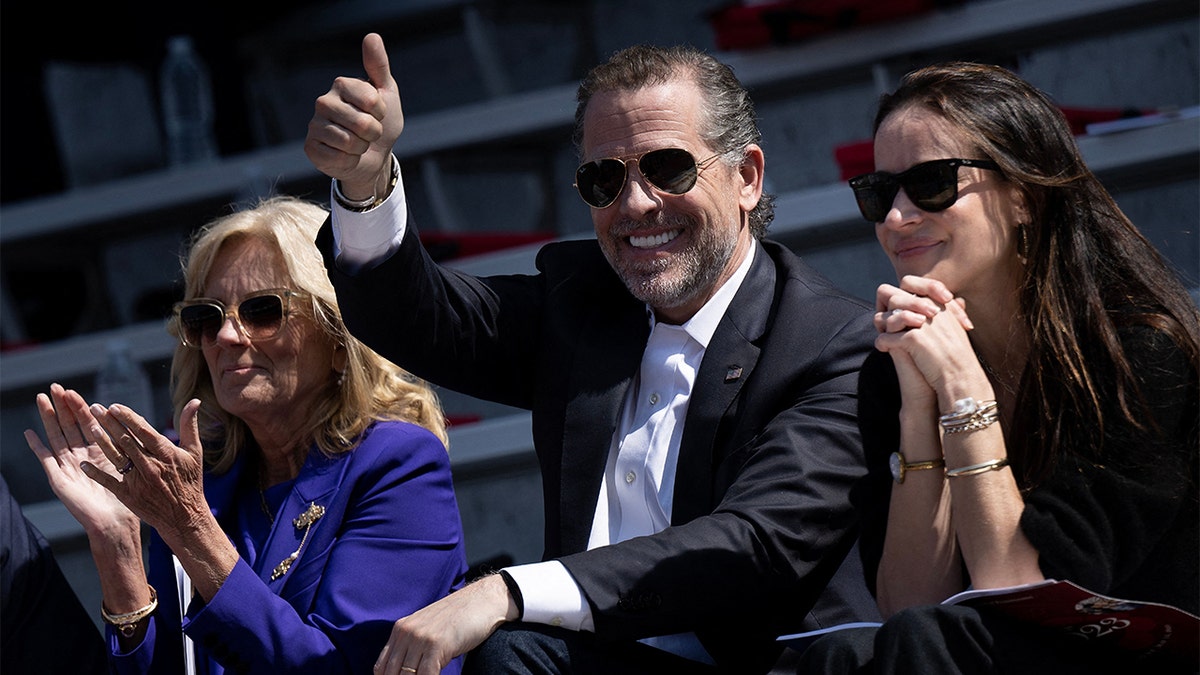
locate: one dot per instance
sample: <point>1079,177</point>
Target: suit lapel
<point>606,361</point>
<point>728,362</point>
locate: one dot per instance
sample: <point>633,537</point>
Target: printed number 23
<point>1104,627</point>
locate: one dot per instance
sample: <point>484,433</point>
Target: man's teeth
<point>653,240</point>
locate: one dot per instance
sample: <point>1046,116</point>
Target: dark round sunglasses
<point>670,170</point>
<point>259,316</point>
<point>931,186</point>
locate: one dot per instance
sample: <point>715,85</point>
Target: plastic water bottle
<point>187,104</point>
<point>122,380</point>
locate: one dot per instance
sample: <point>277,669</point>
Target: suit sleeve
<point>879,423</point>
<point>44,627</point>
<point>473,335</point>
<point>399,548</point>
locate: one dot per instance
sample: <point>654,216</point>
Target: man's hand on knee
<point>428,639</point>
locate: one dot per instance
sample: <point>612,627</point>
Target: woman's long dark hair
<point>1088,271</point>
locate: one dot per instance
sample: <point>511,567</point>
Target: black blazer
<point>761,518</point>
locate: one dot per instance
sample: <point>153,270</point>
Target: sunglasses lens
<point>261,316</point>
<point>600,182</point>
<point>875,194</point>
<point>200,323</point>
<point>671,170</point>
<point>932,186</point>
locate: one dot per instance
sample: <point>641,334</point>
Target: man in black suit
<point>692,385</point>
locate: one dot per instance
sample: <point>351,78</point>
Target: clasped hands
<point>924,327</point>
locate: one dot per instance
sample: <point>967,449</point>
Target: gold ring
<point>407,669</point>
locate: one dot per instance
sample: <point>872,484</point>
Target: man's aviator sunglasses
<point>670,170</point>
<point>259,316</point>
<point>931,186</point>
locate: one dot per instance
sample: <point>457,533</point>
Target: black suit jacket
<point>761,517</point>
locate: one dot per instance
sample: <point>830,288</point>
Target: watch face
<point>896,461</point>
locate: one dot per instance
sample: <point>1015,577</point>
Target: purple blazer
<point>389,542</point>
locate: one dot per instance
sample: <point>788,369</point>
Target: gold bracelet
<point>126,623</point>
<point>971,470</point>
<point>900,466</point>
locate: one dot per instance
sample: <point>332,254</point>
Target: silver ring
<point>127,468</point>
<point>896,312</point>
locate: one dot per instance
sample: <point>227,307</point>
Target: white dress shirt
<point>638,486</point>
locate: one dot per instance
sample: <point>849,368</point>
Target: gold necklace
<point>262,500</point>
<point>995,377</point>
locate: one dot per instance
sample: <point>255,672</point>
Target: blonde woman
<point>309,503</point>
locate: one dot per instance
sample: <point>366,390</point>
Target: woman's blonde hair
<point>370,389</point>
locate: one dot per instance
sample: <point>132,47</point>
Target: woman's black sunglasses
<point>670,170</point>
<point>259,316</point>
<point>931,186</point>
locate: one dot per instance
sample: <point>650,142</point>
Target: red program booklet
<point>1144,630</point>
<point>1148,629</point>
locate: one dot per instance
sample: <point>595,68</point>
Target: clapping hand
<point>70,445</point>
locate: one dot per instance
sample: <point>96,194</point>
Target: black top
<point>1124,526</point>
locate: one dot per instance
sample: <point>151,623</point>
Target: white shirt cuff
<point>362,240</point>
<point>551,596</point>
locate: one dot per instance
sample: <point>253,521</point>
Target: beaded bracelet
<point>127,623</point>
<point>969,415</point>
<point>981,421</point>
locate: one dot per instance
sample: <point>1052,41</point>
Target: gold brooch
<point>305,520</point>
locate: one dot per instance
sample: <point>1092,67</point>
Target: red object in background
<point>17,345</point>
<point>855,159</point>
<point>750,24</point>
<point>446,246</point>
<point>1079,118</point>
<point>858,157</point>
<point>462,419</point>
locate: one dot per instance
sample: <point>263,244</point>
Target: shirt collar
<point>704,322</point>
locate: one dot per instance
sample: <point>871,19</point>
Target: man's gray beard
<point>676,281</point>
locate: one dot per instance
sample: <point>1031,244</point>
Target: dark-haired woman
<point>1031,412</point>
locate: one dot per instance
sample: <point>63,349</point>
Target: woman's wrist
<point>123,584</point>
<point>956,389</point>
<point>120,541</point>
<point>206,553</point>
<point>915,412</point>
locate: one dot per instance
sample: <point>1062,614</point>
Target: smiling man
<point>692,384</point>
